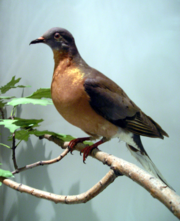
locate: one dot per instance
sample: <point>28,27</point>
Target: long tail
<point>147,163</point>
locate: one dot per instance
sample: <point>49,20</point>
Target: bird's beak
<point>38,40</point>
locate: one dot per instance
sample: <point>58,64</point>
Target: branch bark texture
<point>117,167</point>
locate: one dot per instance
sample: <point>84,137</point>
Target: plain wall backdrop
<point>135,43</point>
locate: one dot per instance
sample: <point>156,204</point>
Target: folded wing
<point>111,102</point>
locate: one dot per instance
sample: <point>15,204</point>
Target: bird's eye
<point>56,35</point>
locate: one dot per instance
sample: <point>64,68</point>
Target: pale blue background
<point>135,43</point>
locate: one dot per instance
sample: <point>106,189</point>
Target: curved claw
<point>87,150</point>
<point>73,143</point>
<point>70,149</point>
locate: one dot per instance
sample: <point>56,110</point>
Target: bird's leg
<point>73,143</point>
<point>87,150</point>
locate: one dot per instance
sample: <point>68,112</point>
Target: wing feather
<point>111,102</point>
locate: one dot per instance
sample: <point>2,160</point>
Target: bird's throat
<point>61,57</point>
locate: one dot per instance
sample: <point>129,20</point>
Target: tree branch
<point>118,167</point>
<point>42,163</point>
<point>14,151</point>
<point>81,198</point>
<point>2,112</point>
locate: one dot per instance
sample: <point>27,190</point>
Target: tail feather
<point>147,163</point>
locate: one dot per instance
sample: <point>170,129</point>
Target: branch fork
<point>117,166</point>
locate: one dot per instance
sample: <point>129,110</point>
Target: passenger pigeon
<point>91,101</point>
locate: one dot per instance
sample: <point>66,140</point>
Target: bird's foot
<point>87,150</point>
<point>73,143</point>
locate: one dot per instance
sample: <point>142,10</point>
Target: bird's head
<point>58,39</point>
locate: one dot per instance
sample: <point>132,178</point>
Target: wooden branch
<point>118,166</point>
<point>153,185</point>
<point>43,162</point>
<point>14,147</point>
<point>14,151</point>
<point>2,112</point>
<point>81,198</point>
<point>54,139</point>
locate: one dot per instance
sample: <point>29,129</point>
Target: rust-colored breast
<point>72,102</point>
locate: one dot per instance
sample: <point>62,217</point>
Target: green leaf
<point>9,124</point>
<point>25,100</point>
<point>2,100</point>
<point>27,122</point>
<point>41,93</point>
<point>2,103</point>
<point>24,134</point>
<point>88,143</point>
<point>5,97</point>
<point>17,123</point>
<point>60,136</point>
<point>65,137</point>
<point>5,173</point>
<point>35,98</point>
<point>11,84</point>
<point>2,144</point>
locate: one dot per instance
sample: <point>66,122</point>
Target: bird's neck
<point>64,59</point>
<point>59,57</point>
